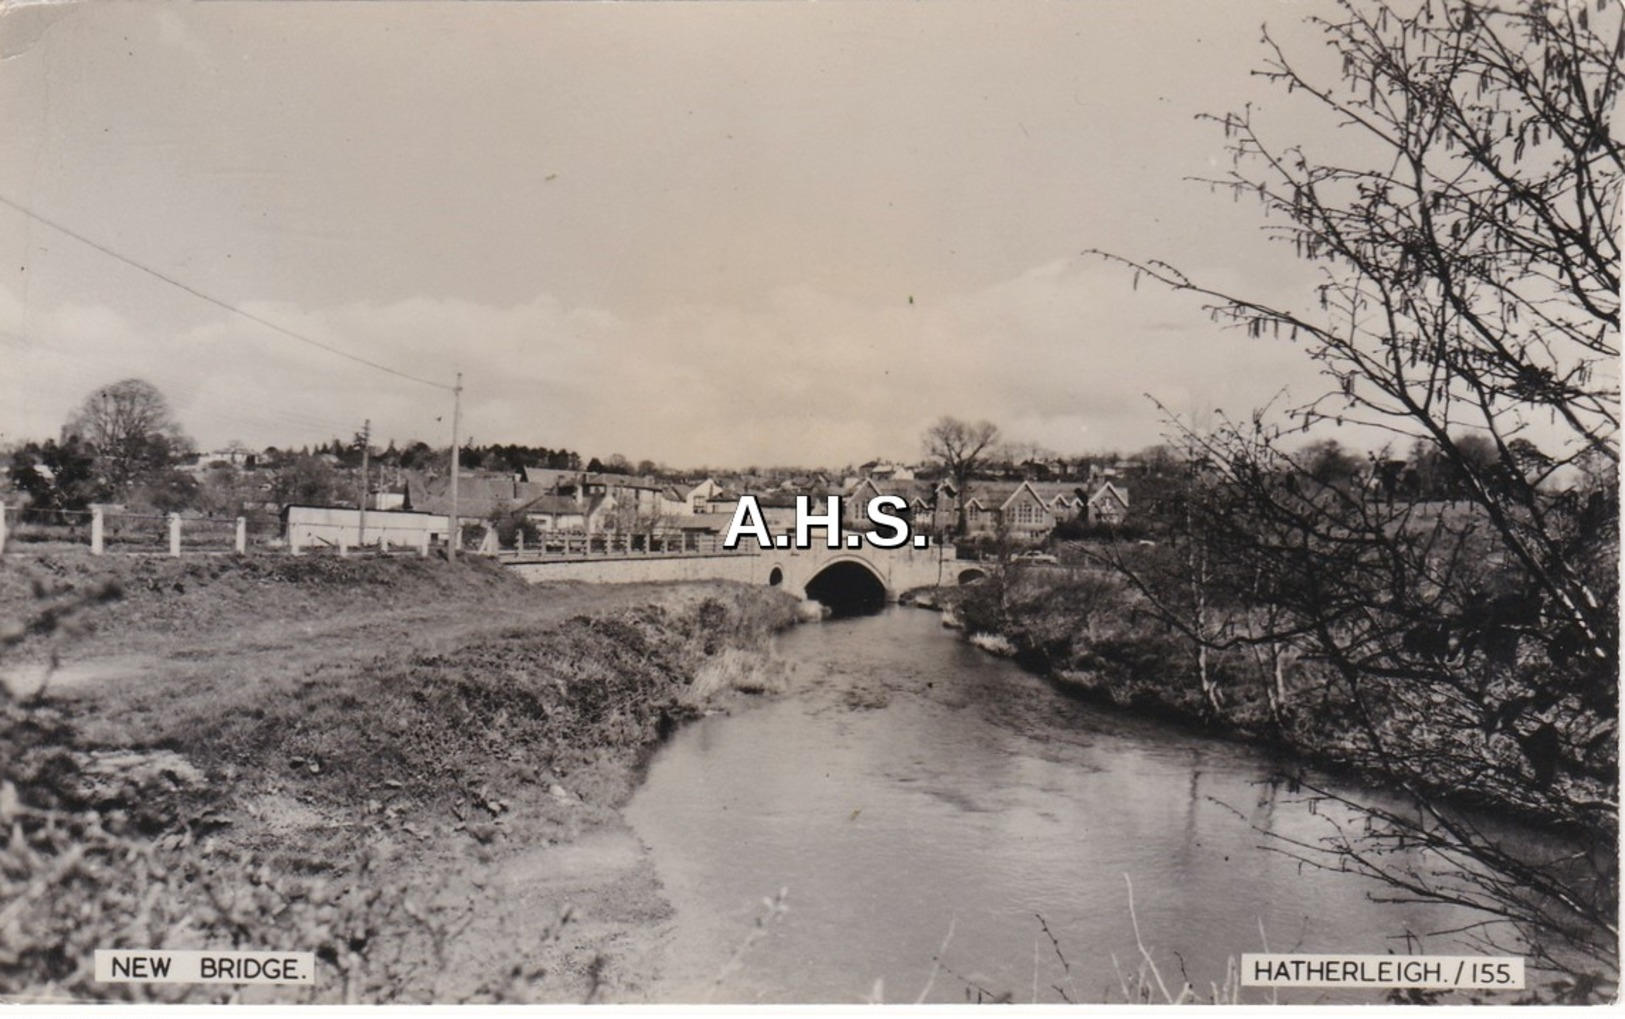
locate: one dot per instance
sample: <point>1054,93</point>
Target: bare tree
<point>132,429</point>
<point>1469,297</point>
<point>959,446</point>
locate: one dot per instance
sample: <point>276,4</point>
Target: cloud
<point>1063,354</point>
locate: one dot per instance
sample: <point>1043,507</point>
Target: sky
<point>721,234</point>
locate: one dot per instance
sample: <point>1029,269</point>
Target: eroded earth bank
<point>413,768</point>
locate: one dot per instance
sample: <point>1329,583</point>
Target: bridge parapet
<point>898,570</point>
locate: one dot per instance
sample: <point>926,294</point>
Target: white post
<point>344,544</point>
<point>242,536</point>
<point>2,527</point>
<point>97,536</point>
<point>175,534</point>
<point>519,541</point>
<point>456,462</point>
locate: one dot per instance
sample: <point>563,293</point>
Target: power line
<point>200,295</point>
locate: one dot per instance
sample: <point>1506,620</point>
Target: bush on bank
<point>1091,633</point>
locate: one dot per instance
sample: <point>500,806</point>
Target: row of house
<point>581,502</point>
<point>1023,510</point>
<point>1020,510</point>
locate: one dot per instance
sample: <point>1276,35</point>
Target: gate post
<point>175,534</point>
<point>97,530</point>
<point>242,536</point>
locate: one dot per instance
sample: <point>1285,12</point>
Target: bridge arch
<point>971,575</point>
<point>848,585</point>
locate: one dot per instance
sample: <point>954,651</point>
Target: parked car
<point>1033,555</point>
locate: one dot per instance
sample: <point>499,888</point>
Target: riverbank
<point>1081,631</point>
<point>1092,638</point>
<point>413,768</point>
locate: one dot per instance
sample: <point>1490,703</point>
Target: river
<point>911,792</point>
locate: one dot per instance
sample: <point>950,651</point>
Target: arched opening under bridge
<point>848,588</point>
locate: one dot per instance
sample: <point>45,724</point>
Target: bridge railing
<point>555,545</point>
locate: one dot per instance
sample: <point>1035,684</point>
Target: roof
<point>998,493</point>
<point>688,488</point>
<point>477,496</point>
<point>1109,489</point>
<point>908,489</point>
<point>554,504</point>
<point>1050,489</point>
<point>620,481</point>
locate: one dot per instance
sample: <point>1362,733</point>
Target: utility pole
<point>366,449</point>
<point>456,460</point>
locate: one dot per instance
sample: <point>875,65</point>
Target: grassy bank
<point>360,758</point>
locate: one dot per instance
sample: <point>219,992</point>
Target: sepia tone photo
<point>773,503</point>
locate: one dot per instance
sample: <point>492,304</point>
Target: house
<point>697,498</point>
<point>1026,510</point>
<point>560,513</point>
<point>479,497</point>
<point>779,509</point>
<point>885,470</point>
<point>1014,509</point>
<point>603,502</point>
<point>919,499</point>
<point>1109,505</point>
<point>1066,500</point>
<point>816,483</point>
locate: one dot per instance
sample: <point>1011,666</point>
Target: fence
<point>106,529</point>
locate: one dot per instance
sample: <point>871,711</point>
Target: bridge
<point>834,576</point>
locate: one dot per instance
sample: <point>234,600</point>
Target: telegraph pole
<point>366,449</point>
<point>456,460</point>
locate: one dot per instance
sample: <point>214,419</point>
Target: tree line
<point>124,445</point>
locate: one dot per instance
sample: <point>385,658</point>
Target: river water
<point>911,792</point>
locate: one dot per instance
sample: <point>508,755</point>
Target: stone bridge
<point>829,575</point>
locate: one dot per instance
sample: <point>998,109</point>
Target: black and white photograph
<point>755,503</point>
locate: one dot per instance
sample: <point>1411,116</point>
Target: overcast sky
<point>724,234</point>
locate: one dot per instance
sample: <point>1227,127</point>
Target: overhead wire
<point>75,377</point>
<point>217,302</point>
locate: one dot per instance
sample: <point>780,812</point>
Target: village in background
<point>136,478</point>
<point>124,468</point>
